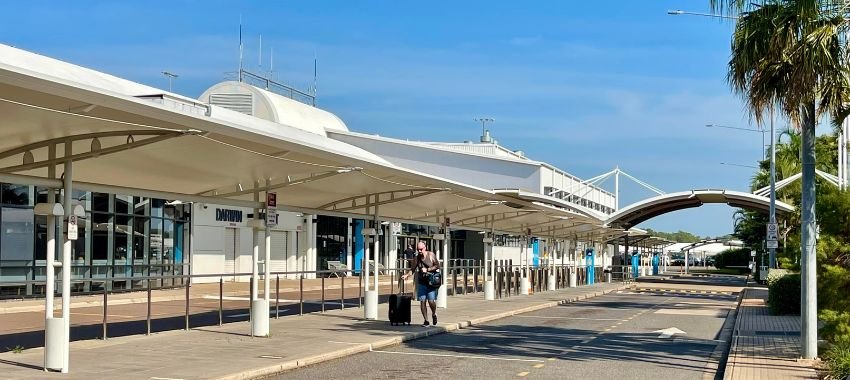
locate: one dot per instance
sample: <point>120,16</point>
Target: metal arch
<point>368,202</point>
<point>155,136</point>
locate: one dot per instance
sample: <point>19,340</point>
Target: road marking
<point>700,311</point>
<point>248,315</point>
<point>571,318</point>
<point>538,365</point>
<point>522,374</point>
<point>552,359</point>
<point>270,357</point>
<point>165,378</point>
<point>351,343</point>
<point>460,356</point>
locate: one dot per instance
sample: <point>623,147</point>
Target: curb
<point>388,342</point>
<point>723,348</point>
<point>732,343</point>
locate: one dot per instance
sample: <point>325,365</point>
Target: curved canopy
<point>638,212</point>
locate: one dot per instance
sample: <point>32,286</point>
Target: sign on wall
<point>72,227</point>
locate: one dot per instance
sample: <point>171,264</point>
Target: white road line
<point>460,356</point>
<point>248,315</point>
<point>351,343</point>
<point>165,378</point>
<point>572,318</point>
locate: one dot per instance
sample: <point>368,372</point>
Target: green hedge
<point>784,295</point>
<point>732,258</point>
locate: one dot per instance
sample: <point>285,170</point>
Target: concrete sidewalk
<point>231,289</point>
<point>227,352</point>
<point>765,346</point>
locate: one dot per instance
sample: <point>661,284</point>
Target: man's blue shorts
<point>425,292</point>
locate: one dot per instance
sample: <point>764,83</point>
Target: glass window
<point>140,206</point>
<point>122,204</point>
<point>100,202</point>
<point>101,228</point>
<point>18,195</point>
<point>16,240</point>
<point>140,232</point>
<point>155,252</point>
<point>156,207</point>
<point>122,236</point>
<point>41,237</point>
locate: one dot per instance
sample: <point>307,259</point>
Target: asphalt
<point>611,336</point>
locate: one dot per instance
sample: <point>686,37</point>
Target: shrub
<point>775,274</point>
<point>784,295</point>
<point>838,360</point>
<point>836,328</point>
<point>732,258</point>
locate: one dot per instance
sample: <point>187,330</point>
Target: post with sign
<point>72,227</point>
<point>772,236</point>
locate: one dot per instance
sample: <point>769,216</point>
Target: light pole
<point>171,76</point>
<point>484,121</point>
<point>739,165</point>
<point>678,12</point>
<point>762,131</point>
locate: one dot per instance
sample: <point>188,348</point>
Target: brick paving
<point>765,346</point>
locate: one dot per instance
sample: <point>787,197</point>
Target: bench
<point>336,268</point>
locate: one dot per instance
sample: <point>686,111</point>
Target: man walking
<point>425,262</point>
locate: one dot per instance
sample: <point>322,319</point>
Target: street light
<point>739,165</point>
<point>681,12</point>
<point>762,131</point>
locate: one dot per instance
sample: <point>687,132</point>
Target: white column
<point>291,253</point>
<point>349,255</point>
<point>259,309</point>
<point>442,292</point>
<point>371,296</point>
<point>66,261</point>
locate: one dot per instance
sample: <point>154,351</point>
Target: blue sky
<point>584,87</point>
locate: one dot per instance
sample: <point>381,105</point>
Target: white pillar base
<point>524,286</point>
<point>551,282</point>
<point>259,318</point>
<point>608,277</point>
<point>370,309</point>
<point>489,290</point>
<point>54,345</point>
<point>573,279</point>
<point>442,295</point>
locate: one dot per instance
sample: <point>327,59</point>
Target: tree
<point>787,54</point>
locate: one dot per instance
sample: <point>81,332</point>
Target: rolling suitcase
<point>399,309</point>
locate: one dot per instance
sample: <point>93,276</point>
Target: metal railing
<point>460,279</point>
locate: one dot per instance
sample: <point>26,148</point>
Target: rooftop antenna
<point>485,134</point>
<point>170,76</point>
<point>260,69</point>
<point>315,78</point>
<point>271,63</point>
<point>240,48</point>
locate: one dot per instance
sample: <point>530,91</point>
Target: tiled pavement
<point>765,346</point>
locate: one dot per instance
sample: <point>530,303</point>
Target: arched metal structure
<point>641,211</point>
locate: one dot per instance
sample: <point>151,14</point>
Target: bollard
<point>277,297</point>
<point>105,306</point>
<point>465,280</point>
<point>148,319</point>
<point>220,300</point>
<point>301,295</point>
<point>323,294</point>
<point>360,297</point>
<point>474,281</point>
<point>187,306</point>
<point>342,292</point>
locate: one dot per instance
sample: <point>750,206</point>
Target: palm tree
<point>789,54</point>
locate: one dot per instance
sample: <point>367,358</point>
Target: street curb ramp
<point>388,342</point>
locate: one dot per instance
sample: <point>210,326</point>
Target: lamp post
<point>678,12</point>
<point>762,131</point>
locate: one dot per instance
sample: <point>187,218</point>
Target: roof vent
<point>486,137</point>
<point>243,103</point>
<point>519,153</point>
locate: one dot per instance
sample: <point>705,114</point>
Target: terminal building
<point>123,236</point>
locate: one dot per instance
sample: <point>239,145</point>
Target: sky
<point>585,86</point>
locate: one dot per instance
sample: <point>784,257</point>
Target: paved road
<point>609,337</point>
